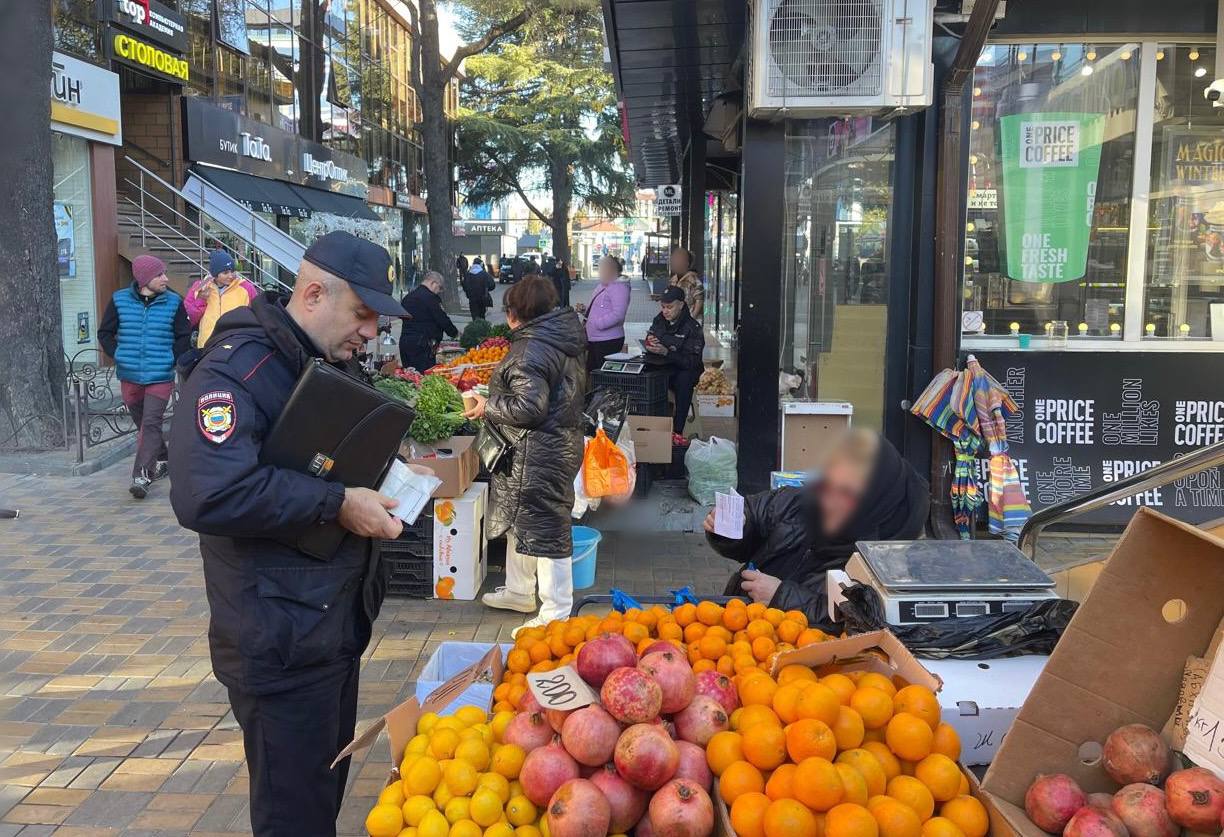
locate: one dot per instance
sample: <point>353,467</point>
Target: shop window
<point>1184,277</point>
<point>1052,149</point>
<point>73,211</point>
<point>838,204</point>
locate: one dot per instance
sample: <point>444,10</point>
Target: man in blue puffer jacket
<point>145,329</point>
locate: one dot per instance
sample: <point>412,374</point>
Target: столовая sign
<point>1050,165</point>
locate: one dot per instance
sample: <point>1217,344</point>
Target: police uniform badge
<point>217,416</point>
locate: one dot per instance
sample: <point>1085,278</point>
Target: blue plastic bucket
<point>586,547</point>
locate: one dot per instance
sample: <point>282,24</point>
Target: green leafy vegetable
<point>500,330</point>
<point>398,389</point>
<point>439,410</point>
<point>474,333</point>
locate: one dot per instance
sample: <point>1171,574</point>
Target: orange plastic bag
<point>605,468</point>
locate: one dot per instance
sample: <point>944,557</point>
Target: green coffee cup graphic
<point>1050,166</point>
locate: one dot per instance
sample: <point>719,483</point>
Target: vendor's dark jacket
<point>683,339</point>
<point>428,320</point>
<point>279,618</point>
<point>535,396</point>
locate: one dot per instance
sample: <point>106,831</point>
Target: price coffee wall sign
<point>1089,418</point>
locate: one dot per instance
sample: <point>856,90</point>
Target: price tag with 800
<point>561,688</point>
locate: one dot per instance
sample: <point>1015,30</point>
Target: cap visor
<point>384,304</point>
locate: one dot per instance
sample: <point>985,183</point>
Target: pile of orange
<point>847,754</point>
<point>736,640</point>
<point>479,355</point>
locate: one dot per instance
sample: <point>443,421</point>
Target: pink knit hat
<point>147,268</point>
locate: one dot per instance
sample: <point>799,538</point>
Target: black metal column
<point>761,232</point>
<point>695,201</point>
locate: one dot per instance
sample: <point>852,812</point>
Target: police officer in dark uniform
<point>287,631</point>
<point>426,324</point>
<point>675,342</point>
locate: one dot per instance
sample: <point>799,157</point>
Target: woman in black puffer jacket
<point>535,397</point>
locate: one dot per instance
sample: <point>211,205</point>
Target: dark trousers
<point>478,309</point>
<point>682,383</point>
<point>146,403</point>
<point>291,739</point>
<point>417,353</point>
<point>598,351</point>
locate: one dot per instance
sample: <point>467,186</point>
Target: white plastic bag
<point>711,468</point>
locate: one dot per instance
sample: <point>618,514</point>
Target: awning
<point>258,194</point>
<point>335,203</point>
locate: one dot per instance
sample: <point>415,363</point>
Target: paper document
<point>411,487</point>
<point>729,514</point>
<point>1205,730</point>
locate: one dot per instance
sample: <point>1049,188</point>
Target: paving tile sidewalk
<point>110,719</point>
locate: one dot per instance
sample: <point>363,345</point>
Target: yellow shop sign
<point>138,53</point>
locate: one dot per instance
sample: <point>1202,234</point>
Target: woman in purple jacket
<point>605,314</point>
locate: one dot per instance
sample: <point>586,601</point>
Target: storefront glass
<point>1184,287</point>
<point>73,210</point>
<point>835,293</point>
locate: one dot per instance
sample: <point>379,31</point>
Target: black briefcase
<point>340,429</point>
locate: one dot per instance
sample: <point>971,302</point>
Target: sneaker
<point>160,470</point>
<point>533,622</point>
<point>505,599</point>
<point>140,487</point>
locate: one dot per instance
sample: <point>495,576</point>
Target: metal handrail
<point>1154,477</point>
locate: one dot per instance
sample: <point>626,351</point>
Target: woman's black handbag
<point>492,445</point>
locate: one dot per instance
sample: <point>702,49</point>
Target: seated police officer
<point>287,631</point>
<point>675,342</point>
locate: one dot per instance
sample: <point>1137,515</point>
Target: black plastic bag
<point>1035,630</point>
<point>606,408</point>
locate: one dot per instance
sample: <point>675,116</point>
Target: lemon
<point>416,807</point>
<point>470,734</point>
<point>516,788</point>
<point>384,821</point>
<point>486,733</point>
<point>543,826</point>
<point>508,760</point>
<point>470,715</point>
<point>460,777</point>
<point>392,795</point>
<point>433,824</point>
<point>486,807</point>
<point>521,811</point>
<point>419,745</point>
<point>466,828</point>
<point>409,831</point>
<point>442,742</point>
<point>449,722</point>
<point>407,762</point>
<point>422,777</point>
<point>426,723</point>
<point>499,723</point>
<point>499,829</point>
<point>528,830</point>
<point>458,808</point>
<point>474,752</point>
<point>497,783</point>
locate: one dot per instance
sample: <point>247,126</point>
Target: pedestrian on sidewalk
<point>286,630</point>
<point>535,399</point>
<point>686,279</point>
<point>675,342</point>
<point>478,287</point>
<point>605,313</point>
<point>219,292</point>
<point>424,324</point>
<point>562,281</point>
<point>145,330</point>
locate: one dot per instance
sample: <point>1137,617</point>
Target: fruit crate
<point>646,391</point>
<point>410,558</point>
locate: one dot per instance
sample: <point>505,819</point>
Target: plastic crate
<point>409,560</point>
<point>647,390</point>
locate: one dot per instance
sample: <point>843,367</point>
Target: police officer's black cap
<point>363,264</point>
<point>672,294</point>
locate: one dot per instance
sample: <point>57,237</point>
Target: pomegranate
<point>589,735</point>
<point>662,645</point>
<point>701,719</point>
<point>529,730</point>
<point>631,695</point>
<point>1091,821</point>
<point>644,827</point>
<point>528,703</point>
<point>627,802</point>
<point>556,718</point>
<point>646,757</point>
<point>544,770</point>
<point>578,809</point>
<point>1101,800</point>
<point>1052,800</point>
<point>601,655</point>
<point>719,687</point>
<point>1141,808</point>
<point>693,765</point>
<point>1135,753</point>
<point>675,677</point>
<point>682,809</point>
<point>1194,799</point>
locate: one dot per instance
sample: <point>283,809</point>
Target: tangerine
<point>873,680</point>
<point>703,665</point>
<point>755,610</point>
<point>765,747</point>
<point>757,689</point>
<point>820,702</point>
<point>895,819</point>
<point>848,820</point>
<point>751,716</point>
<point>920,702</point>
<point>841,685</point>
<point>694,631</point>
<point>853,783</point>
<point>724,749</point>
<point>671,631</point>
<point>685,615</point>
<point>762,647</point>
<point>786,702</point>
<point>709,613</point>
<point>969,815</point>
<point>789,631</point>
<point>735,618</point>
<point>848,729</point>
<point>793,672</point>
<point>781,784</point>
<point>539,651</point>
<point>635,632</point>
<point>712,647</point>
<point>909,736</point>
<point>868,766</point>
<point>518,660</point>
<point>748,814</point>
<point>874,705</point>
<point>725,666</point>
<point>809,737</point>
<point>888,761</point>
<point>740,778</point>
<point>810,636</point>
<point>774,616</point>
<point>910,791</point>
<point>947,742</point>
<point>789,818</point>
<point>941,827</point>
<point>759,628</point>
<point>818,784</point>
<point>941,776</point>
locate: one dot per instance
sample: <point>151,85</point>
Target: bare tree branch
<point>484,42</point>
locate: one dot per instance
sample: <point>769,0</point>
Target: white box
<point>449,659</point>
<point>714,406</point>
<point>460,549</point>
<point>980,699</point>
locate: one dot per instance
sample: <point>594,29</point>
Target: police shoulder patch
<point>217,415</point>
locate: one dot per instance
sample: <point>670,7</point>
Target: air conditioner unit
<point>839,57</point>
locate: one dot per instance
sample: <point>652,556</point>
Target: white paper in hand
<point>411,487</point>
<point>729,514</point>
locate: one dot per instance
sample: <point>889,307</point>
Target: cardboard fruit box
<point>1158,601</point>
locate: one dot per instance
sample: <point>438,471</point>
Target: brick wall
<point>153,136</point>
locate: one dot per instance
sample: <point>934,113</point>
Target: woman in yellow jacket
<point>218,293</point>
